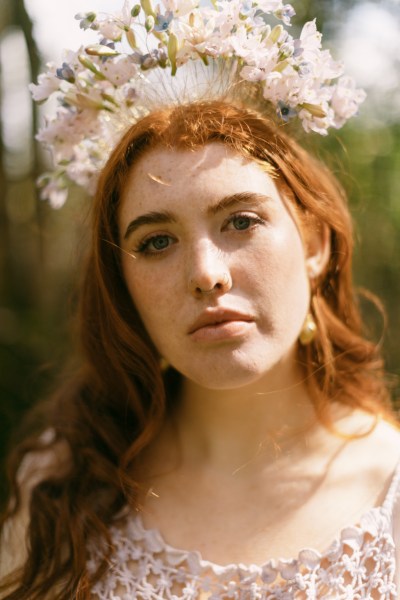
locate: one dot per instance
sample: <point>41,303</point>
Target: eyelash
<point>143,247</point>
<point>253,219</point>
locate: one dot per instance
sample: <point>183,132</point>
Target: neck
<point>230,429</point>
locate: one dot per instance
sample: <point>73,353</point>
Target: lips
<point>216,316</point>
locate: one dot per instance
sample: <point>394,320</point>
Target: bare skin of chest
<point>255,513</point>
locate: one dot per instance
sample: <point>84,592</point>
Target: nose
<point>208,270</point>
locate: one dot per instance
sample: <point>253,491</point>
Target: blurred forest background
<point>40,247</point>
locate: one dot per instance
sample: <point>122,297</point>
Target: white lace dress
<point>359,564</point>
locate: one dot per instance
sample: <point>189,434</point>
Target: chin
<point>224,383</point>
<point>234,373</point>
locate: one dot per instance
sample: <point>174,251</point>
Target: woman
<point>226,431</point>
<point>205,415</point>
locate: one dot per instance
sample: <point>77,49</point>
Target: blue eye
<point>160,242</point>
<point>155,244</point>
<point>241,222</point>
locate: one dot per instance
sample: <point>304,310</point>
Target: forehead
<point>212,171</point>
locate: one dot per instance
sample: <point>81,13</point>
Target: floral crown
<point>103,88</point>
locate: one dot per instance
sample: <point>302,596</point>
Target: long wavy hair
<point>112,405</point>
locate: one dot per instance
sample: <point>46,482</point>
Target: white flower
<point>229,17</point>
<point>65,131</point>
<point>110,30</point>
<point>249,48</point>
<point>82,170</point>
<point>71,58</point>
<point>53,189</point>
<point>310,37</point>
<point>194,38</point>
<point>102,90</point>
<point>180,7</point>
<point>311,122</point>
<point>346,100</point>
<point>285,13</point>
<point>113,27</point>
<point>279,88</point>
<point>120,70</point>
<point>87,20</point>
<point>269,6</point>
<point>280,10</point>
<point>253,74</point>
<point>91,94</point>
<point>47,84</point>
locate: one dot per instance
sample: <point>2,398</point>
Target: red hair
<point>116,400</point>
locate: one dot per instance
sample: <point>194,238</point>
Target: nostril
<point>218,283</point>
<point>199,290</point>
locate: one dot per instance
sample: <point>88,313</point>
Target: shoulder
<point>383,450</point>
<point>396,539</point>
<point>371,433</point>
<point>37,466</point>
<point>384,444</point>
<point>368,455</point>
<point>51,459</point>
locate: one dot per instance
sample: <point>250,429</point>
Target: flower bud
<point>136,10</point>
<point>172,51</point>
<point>276,34</point>
<point>130,36</point>
<point>149,23</point>
<point>101,50</point>
<point>91,66</point>
<point>314,109</point>
<point>147,7</point>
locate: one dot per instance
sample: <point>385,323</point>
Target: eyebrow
<point>162,217</point>
<point>240,198</point>
<point>150,218</point>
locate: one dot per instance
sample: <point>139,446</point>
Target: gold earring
<point>308,331</point>
<point>164,364</point>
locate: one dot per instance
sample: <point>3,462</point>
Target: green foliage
<point>367,162</point>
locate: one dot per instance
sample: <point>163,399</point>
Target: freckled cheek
<point>154,296</point>
<point>289,250</point>
<point>293,288</point>
<point>276,268</point>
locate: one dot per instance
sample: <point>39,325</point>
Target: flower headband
<point>103,88</point>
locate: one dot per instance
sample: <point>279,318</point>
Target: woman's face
<point>215,264</point>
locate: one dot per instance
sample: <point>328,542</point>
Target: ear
<point>318,249</point>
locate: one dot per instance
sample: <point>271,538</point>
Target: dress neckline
<point>376,520</point>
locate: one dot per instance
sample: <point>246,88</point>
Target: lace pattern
<point>359,564</point>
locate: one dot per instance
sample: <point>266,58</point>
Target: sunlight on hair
<point>130,254</point>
